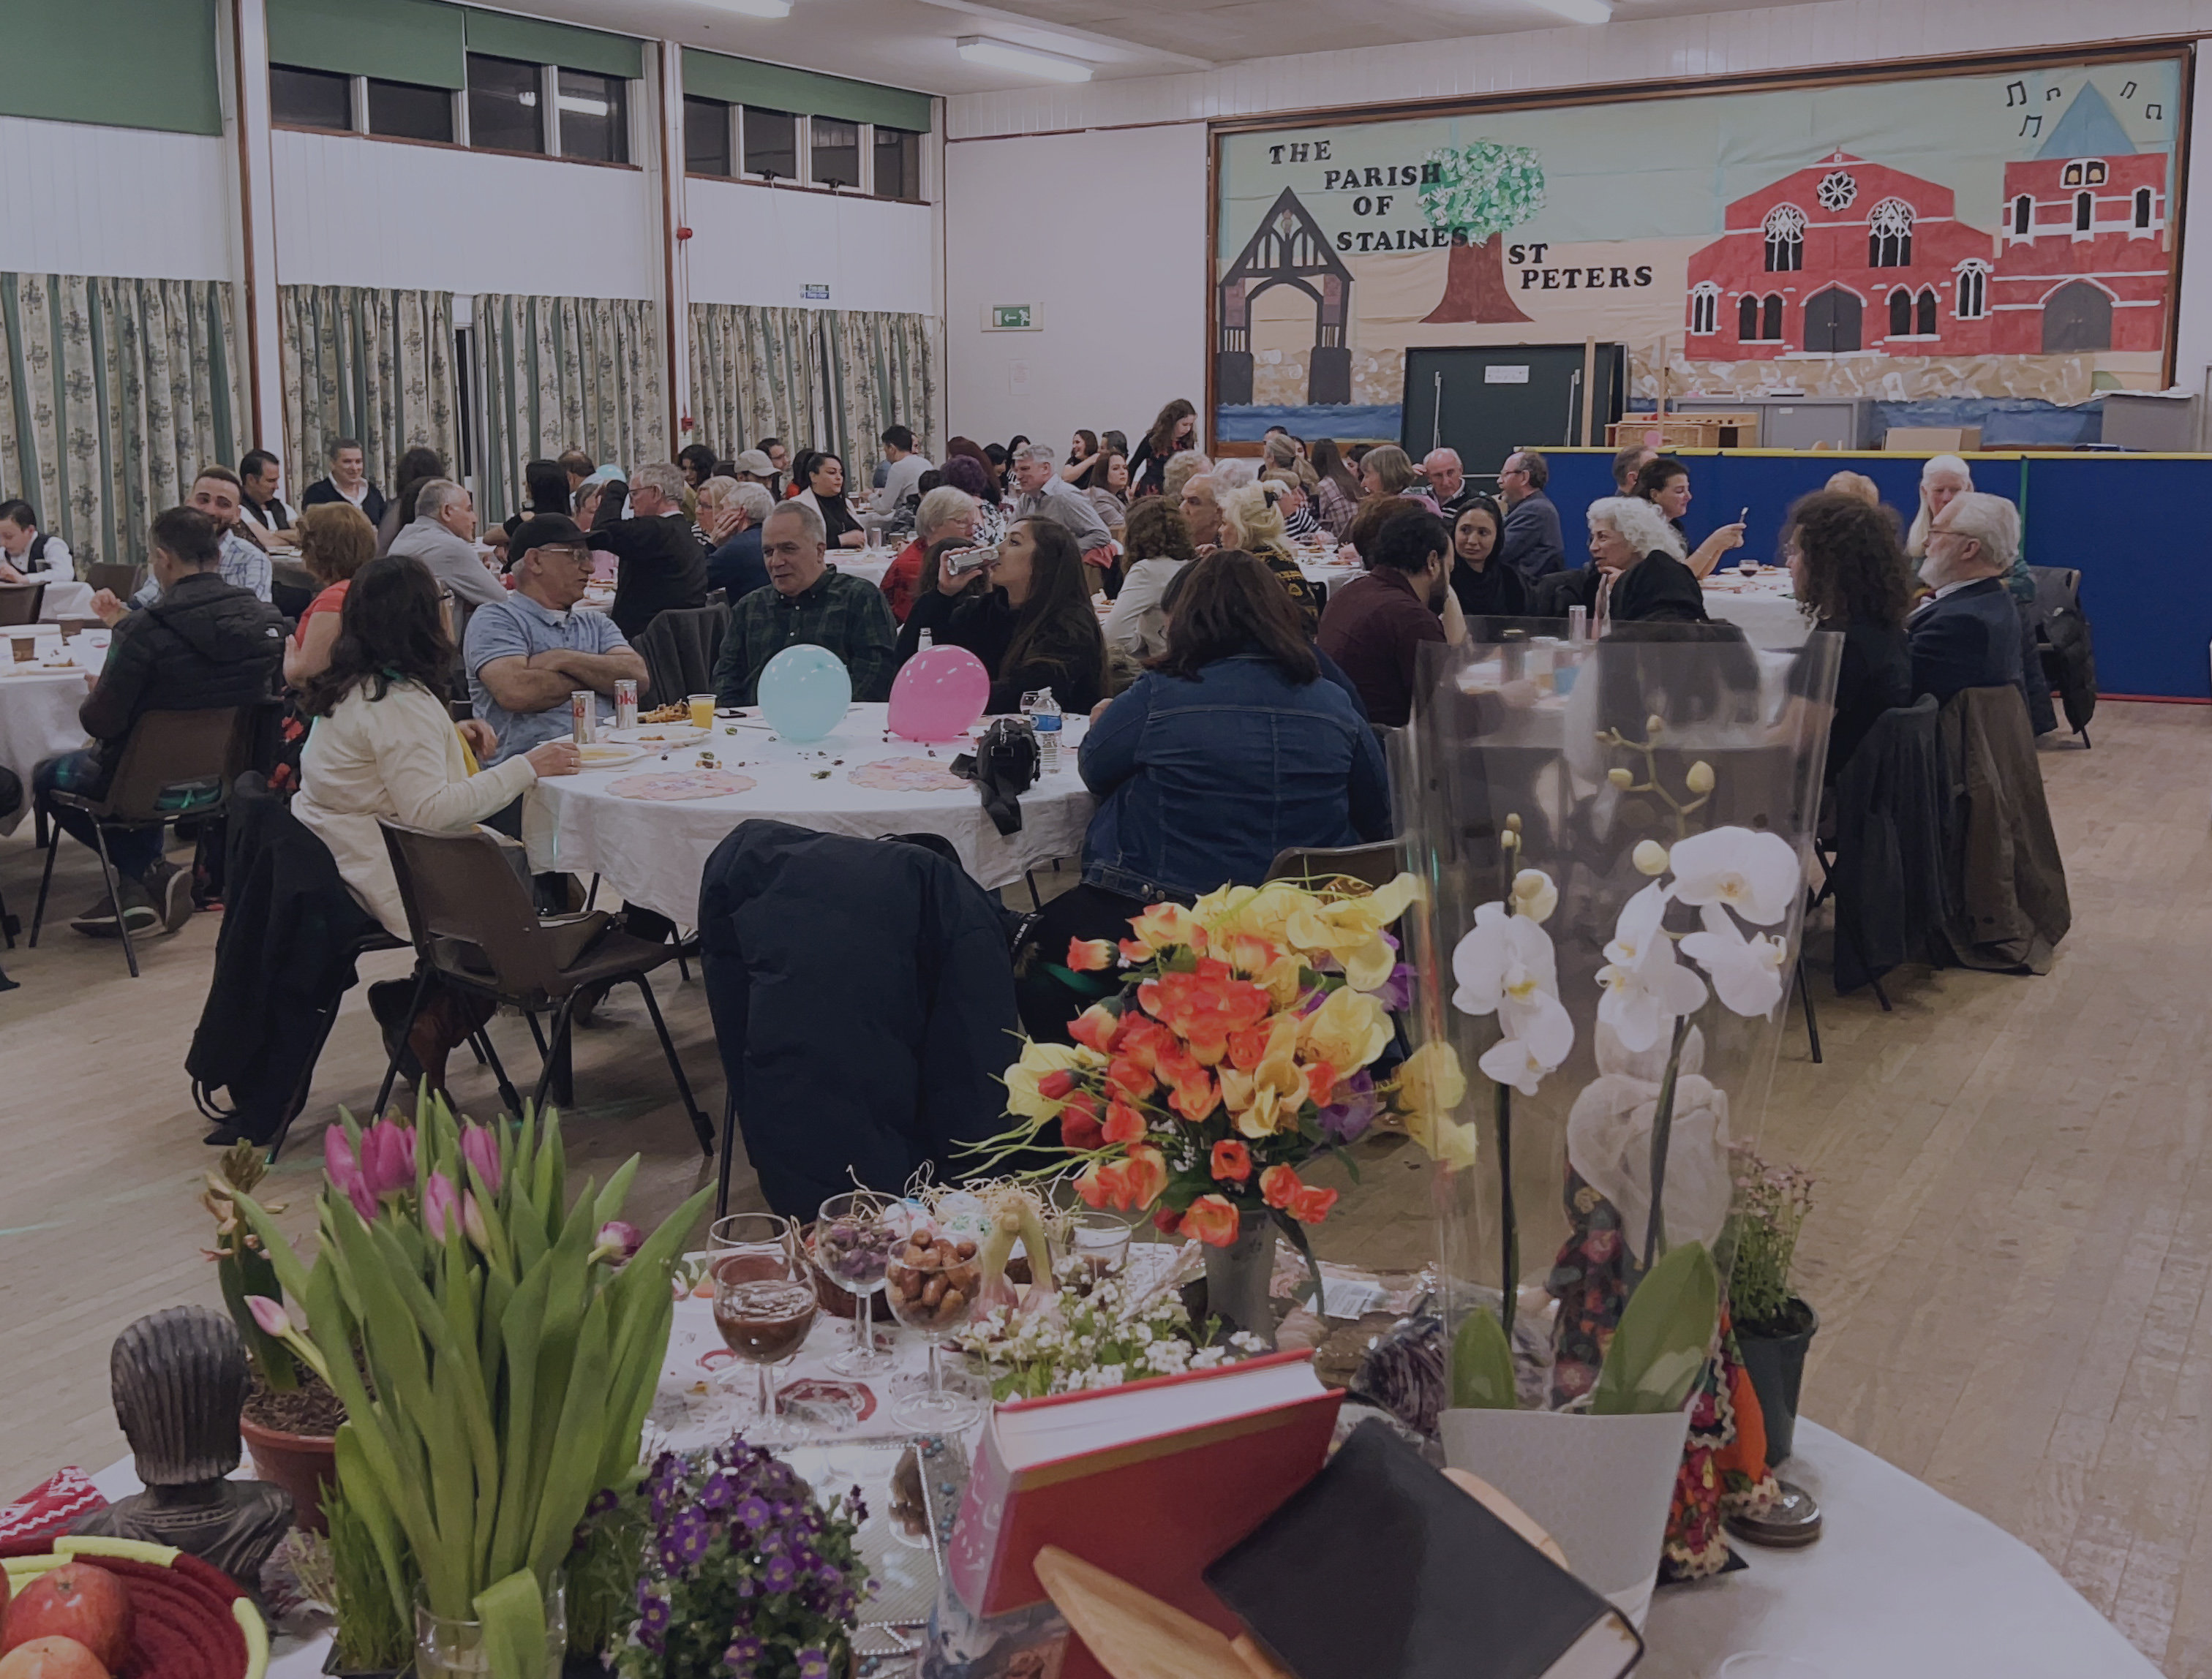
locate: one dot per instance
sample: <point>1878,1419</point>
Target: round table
<point>868,564</point>
<point>38,720</point>
<point>653,851</point>
<point>1764,606</point>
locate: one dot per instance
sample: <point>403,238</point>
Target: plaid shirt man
<point>846,614</point>
<point>243,565</point>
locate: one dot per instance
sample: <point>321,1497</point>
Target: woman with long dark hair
<point>1173,430</point>
<point>1852,577</point>
<point>1664,482</point>
<point>417,468</point>
<point>1337,497</point>
<point>823,475</point>
<point>1486,586</point>
<point>1027,615</point>
<point>1083,462</point>
<point>383,745</point>
<point>1232,748</point>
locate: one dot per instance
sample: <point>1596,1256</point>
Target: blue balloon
<point>804,692</point>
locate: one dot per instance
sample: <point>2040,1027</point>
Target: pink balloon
<point>939,693</point>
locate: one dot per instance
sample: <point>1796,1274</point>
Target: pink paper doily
<point>674,784</point>
<point>906,775</point>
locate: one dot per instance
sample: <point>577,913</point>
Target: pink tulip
<point>269,1314</point>
<point>441,1207</point>
<point>618,1241</point>
<point>343,1168</point>
<point>387,1157</point>
<point>480,1149</point>
<point>472,1224</point>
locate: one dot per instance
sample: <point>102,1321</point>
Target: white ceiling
<point>910,43</point>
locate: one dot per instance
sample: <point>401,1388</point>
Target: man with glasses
<point>1966,634</point>
<point>529,651</point>
<point>1532,545</point>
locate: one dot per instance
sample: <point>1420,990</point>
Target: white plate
<point>600,754</point>
<point>659,735</point>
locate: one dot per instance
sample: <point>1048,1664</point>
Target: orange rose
<point>1191,1089</point>
<point>1232,1161</point>
<point>1132,1079</point>
<point>1078,1123</point>
<point>1089,955</point>
<point>1095,1027</point>
<point>1135,953</point>
<point>1212,1220</point>
<point>1311,1205</point>
<point>1143,1040</point>
<point>1123,1122</point>
<point>1145,1172</point>
<point>1204,1008</point>
<point>1279,1185</point>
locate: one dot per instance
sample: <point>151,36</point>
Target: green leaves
<point>514,1615</point>
<point>1486,188</point>
<point>1665,1336</point>
<point>1482,1365</point>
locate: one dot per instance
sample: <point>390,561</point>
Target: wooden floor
<point>2010,1254</point>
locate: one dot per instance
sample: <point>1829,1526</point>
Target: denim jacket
<point>1202,784</point>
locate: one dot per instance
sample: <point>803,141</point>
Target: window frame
<point>344,82</point>
<point>1971,302</point>
<point>539,112</point>
<point>801,126</point>
<point>619,121</point>
<point>456,112</point>
<point>727,114</point>
<point>874,155</point>
<point>1705,309</point>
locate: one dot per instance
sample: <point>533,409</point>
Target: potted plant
<point>1616,868</point>
<point>747,1571</point>
<point>497,1348</point>
<point>291,1419</point>
<point>1774,1327</point>
<point>1236,1052</point>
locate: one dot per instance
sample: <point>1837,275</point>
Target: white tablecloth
<point>38,719</point>
<point>1763,605</point>
<point>654,852</point>
<point>65,597</point>
<point>1903,1583</point>
<point>868,564</point>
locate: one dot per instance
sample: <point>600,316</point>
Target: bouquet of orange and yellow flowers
<point>1241,1047</point>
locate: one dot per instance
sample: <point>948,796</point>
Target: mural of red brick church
<point>1847,257</point>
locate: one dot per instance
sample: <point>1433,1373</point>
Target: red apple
<point>75,1601</point>
<point>51,1658</point>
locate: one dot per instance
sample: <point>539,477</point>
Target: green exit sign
<point>1010,317</point>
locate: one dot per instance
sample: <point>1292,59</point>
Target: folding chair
<point>1377,864</point>
<point>474,927</point>
<point>20,601</point>
<point>172,764</point>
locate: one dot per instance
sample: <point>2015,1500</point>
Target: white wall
<point>75,198</point>
<point>352,211</point>
<point>1165,355</point>
<point>762,244</point>
<point>1118,270</point>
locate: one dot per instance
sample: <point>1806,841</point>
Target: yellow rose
<point>1268,1112</point>
<point>1023,1098</point>
<point>1348,1030</point>
<point>1431,1082</point>
<point>1165,925</point>
<point>1260,910</point>
<point>1447,1142</point>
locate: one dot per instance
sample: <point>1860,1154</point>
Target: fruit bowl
<point>190,1620</point>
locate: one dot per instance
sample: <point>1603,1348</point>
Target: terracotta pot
<point>300,1464</point>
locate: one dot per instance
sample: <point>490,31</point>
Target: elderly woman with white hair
<point>1252,520</point>
<point>1641,576</point>
<point>943,513</point>
<point>1943,479</point>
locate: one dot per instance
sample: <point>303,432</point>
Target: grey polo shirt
<point>517,628</point>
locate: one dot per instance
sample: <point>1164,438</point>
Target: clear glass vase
<point>446,1648</point>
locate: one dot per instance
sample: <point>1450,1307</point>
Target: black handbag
<point>1003,767</point>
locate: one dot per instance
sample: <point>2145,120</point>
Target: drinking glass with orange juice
<point>703,711</point>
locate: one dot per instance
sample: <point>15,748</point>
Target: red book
<point>1151,1482</point>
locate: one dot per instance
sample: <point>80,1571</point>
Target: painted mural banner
<point>2005,232</point>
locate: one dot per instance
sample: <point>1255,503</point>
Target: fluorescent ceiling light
<point>1579,11</point>
<point>1004,55</point>
<point>581,105</point>
<point>756,7</point>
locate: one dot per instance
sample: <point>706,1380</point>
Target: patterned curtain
<point>113,393</point>
<point>369,364</point>
<point>756,373</point>
<point>567,372</point>
<point>883,371</point>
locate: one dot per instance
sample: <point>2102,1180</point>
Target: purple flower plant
<point>1351,1108</point>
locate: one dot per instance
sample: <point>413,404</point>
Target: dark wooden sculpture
<point>179,1377</point>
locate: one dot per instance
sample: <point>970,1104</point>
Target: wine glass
<point>932,1279</point>
<point>853,1243</point>
<point>764,1304</point>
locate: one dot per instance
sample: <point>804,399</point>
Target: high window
<point>2143,207</point>
<point>706,136</point>
<point>1784,229</point>
<point>309,98</point>
<point>594,116</point>
<point>771,143</point>
<point>1973,291</point>
<point>405,110</point>
<point>1889,235</point>
<point>1704,307</point>
<point>503,105</point>
<point>898,164</point>
<point>835,161</point>
<point>2085,212</point>
<point>2023,215</point>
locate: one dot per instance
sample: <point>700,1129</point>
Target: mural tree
<point>1487,189</point>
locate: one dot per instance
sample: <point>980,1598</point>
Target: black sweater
<point>984,624</point>
<point>662,563</point>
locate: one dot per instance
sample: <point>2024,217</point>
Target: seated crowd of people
<point>1235,713</point>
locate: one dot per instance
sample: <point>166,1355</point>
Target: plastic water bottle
<point>926,643</point>
<point>1047,720</point>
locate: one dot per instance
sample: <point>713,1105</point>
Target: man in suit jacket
<point>1531,542</point>
<point>1967,633</point>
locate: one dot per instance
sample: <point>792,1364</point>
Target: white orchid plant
<point>1650,1132</point>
